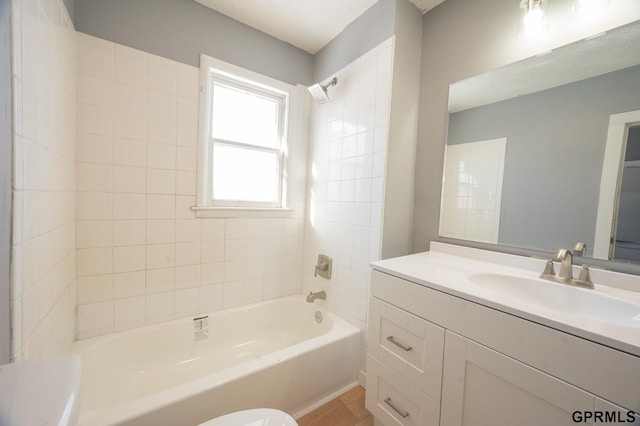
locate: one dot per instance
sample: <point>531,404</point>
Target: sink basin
<point>561,297</point>
<point>40,392</point>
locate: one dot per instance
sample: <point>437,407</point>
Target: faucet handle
<point>323,267</point>
<point>580,249</point>
<point>548,268</point>
<point>585,275</point>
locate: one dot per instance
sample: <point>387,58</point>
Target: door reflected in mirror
<point>627,228</point>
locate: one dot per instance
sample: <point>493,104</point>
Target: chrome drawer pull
<point>403,414</point>
<point>400,345</point>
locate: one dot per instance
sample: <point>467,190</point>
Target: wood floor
<point>346,410</point>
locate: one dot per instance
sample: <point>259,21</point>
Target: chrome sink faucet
<point>322,295</point>
<point>565,276</point>
<point>566,263</point>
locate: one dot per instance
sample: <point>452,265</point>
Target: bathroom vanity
<point>461,336</point>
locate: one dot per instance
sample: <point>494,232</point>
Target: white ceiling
<point>307,24</point>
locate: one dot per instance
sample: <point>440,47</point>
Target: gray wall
<point>397,229</point>
<point>71,6</point>
<point>182,29</point>
<point>555,147</point>
<point>459,39</point>
<point>373,27</point>
<point>5,181</point>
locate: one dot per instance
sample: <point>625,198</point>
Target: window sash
<point>222,84</point>
<point>220,202</point>
<point>259,90</point>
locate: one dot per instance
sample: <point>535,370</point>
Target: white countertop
<point>447,268</point>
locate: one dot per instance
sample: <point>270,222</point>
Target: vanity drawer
<point>407,344</point>
<point>395,401</point>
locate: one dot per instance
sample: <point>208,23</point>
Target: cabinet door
<point>483,387</point>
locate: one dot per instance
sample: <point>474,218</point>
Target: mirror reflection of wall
<point>627,240</point>
<point>554,158</point>
<point>472,190</point>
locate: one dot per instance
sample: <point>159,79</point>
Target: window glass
<point>245,174</point>
<point>245,117</point>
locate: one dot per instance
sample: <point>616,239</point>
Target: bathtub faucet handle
<point>323,267</point>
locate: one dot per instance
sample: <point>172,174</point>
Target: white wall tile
<point>129,152</point>
<point>188,253</point>
<point>93,316</point>
<point>91,234</point>
<point>130,310</point>
<point>129,284</point>
<point>128,259</point>
<point>187,276</point>
<point>161,181</point>
<point>161,156</point>
<point>129,206</point>
<point>160,256</point>
<point>130,69</point>
<point>160,280</point>
<point>186,302</point>
<point>188,82</point>
<point>348,146</point>
<point>128,232</point>
<point>96,288</point>
<point>162,74</point>
<point>160,307</point>
<point>96,61</point>
<point>130,98</point>
<point>160,206</point>
<point>95,261</point>
<point>138,124</point>
<point>94,148</point>
<point>129,125</point>
<point>95,120</point>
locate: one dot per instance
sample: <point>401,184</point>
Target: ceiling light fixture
<point>534,21</point>
<point>589,9</point>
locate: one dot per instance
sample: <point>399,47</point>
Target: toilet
<point>254,417</point>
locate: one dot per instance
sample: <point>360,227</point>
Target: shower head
<point>319,91</point>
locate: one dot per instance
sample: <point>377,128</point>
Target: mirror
<point>531,161</point>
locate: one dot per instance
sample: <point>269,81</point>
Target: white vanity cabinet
<point>474,365</point>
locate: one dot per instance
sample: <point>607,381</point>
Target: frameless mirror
<point>543,153</point>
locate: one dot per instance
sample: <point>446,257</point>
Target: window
<point>242,164</point>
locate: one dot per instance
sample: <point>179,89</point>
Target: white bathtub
<point>270,354</point>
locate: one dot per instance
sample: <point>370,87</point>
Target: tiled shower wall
<point>143,256</point>
<point>346,182</point>
<point>43,282</point>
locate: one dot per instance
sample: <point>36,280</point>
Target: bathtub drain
<point>318,317</point>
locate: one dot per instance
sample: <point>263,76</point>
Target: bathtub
<point>270,354</point>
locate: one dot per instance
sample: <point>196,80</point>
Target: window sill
<point>203,212</point>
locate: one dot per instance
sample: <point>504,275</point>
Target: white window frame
<point>214,70</point>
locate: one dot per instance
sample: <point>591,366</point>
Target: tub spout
<point>322,295</point>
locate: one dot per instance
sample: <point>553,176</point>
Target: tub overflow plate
<point>318,317</point>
